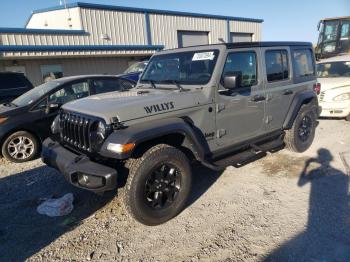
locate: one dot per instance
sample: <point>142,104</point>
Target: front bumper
<point>335,109</point>
<point>79,170</point>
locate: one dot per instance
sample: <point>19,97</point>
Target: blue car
<point>134,72</point>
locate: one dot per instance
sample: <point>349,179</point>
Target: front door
<point>240,111</point>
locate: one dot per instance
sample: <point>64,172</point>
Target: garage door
<point>241,37</point>
<point>191,38</point>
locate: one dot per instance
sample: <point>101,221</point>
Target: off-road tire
<point>140,169</point>
<point>292,139</point>
<point>29,137</point>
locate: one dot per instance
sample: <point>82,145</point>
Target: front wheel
<point>20,147</point>
<point>300,137</point>
<point>158,185</point>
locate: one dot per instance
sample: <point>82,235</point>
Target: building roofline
<point>145,10</point>
<point>67,48</point>
<point>16,30</point>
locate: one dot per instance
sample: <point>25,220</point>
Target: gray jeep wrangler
<point>219,105</point>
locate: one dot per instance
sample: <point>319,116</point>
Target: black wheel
<point>20,147</point>
<point>300,137</point>
<point>158,185</point>
<point>347,118</point>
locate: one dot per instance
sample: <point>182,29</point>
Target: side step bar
<point>251,153</point>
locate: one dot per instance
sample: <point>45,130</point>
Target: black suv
<point>12,85</point>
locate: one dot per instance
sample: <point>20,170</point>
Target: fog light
<point>119,148</point>
<point>90,181</point>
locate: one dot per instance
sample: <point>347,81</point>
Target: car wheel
<point>347,118</point>
<point>20,147</point>
<point>300,137</point>
<point>158,185</point>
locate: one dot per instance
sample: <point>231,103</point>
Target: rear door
<point>240,112</point>
<point>278,84</point>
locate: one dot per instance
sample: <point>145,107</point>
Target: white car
<point>334,76</point>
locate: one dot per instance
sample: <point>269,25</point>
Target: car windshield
<point>136,68</point>
<point>190,68</point>
<point>34,94</point>
<point>333,69</point>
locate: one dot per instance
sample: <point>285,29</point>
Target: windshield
<point>190,68</point>
<point>333,69</point>
<point>34,94</point>
<point>136,68</point>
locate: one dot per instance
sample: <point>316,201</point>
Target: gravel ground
<point>285,207</point>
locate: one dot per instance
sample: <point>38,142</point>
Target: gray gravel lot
<point>285,207</point>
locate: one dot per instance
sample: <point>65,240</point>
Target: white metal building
<point>83,38</point>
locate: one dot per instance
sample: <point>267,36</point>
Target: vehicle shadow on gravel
<point>23,232</point>
<point>203,178</point>
<point>327,233</point>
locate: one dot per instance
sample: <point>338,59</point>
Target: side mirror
<point>52,107</point>
<point>230,82</point>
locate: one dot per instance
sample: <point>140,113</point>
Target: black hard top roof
<point>266,44</point>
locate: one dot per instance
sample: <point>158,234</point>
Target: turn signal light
<point>118,148</point>
<point>2,119</point>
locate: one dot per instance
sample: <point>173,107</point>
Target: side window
<point>277,67</point>
<point>9,81</point>
<point>243,66</point>
<point>70,93</point>
<point>304,63</point>
<point>110,85</point>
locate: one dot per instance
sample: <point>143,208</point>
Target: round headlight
<point>101,129</point>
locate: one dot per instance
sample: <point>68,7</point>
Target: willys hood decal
<point>135,103</point>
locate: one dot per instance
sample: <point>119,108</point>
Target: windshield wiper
<point>175,82</point>
<point>150,81</point>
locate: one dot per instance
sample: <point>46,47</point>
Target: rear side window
<point>10,81</point>
<point>110,85</point>
<point>304,63</point>
<point>277,67</point>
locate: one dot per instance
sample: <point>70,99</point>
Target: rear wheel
<point>158,185</point>
<point>20,147</point>
<point>300,137</point>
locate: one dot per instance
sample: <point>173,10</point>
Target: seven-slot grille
<point>75,130</point>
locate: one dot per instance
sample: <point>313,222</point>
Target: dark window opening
<point>277,67</point>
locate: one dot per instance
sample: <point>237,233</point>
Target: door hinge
<point>220,107</point>
<point>220,133</point>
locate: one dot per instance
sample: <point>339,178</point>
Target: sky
<point>292,20</point>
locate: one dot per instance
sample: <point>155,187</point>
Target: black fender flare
<point>143,132</point>
<point>303,97</point>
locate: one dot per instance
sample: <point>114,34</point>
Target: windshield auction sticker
<point>203,56</point>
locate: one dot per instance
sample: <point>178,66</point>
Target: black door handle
<point>288,92</point>
<point>258,98</point>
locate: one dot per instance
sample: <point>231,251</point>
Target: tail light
<point>317,88</point>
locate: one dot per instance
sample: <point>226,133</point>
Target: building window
<point>277,67</point>
<point>192,38</point>
<point>241,37</point>
<point>51,72</point>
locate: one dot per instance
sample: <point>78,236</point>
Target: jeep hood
<point>136,103</point>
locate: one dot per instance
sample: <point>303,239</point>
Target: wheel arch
<point>178,132</point>
<point>300,99</point>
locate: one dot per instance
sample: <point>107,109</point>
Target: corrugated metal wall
<point>247,27</point>
<point>164,28</point>
<point>121,27</point>
<point>76,66</point>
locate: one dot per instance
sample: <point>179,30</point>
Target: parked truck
<point>334,37</point>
